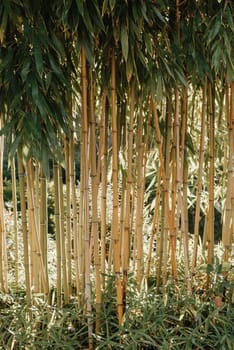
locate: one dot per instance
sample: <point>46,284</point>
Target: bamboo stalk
<point>78,258</point>
<point>153,227</point>
<point>44,221</point>
<point>94,186</point>
<point>139,184</point>
<point>210,231</point>
<point>103,157</point>
<point>27,263</point>
<point>180,199</point>
<point>115,224</point>
<point>184,158</point>
<point>199,176</point>
<point>35,234</point>
<point>232,119</point>
<point>37,194</point>
<point>57,214</point>
<point>142,147</point>
<point>68,218</point>
<point>126,233</point>
<point>15,227</point>
<point>35,172</point>
<point>163,254</point>
<point>166,197</point>
<point>63,238</point>
<point>228,220</point>
<point>174,207</point>
<point>35,270</point>
<point>86,197</point>
<point>3,248</point>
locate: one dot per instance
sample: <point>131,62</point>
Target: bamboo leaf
<point>209,268</point>
<point>79,4</point>
<point>3,24</point>
<point>6,61</point>
<point>38,60</point>
<point>57,45</point>
<point>112,4</point>
<point>56,69</point>
<point>159,88</point>
<point>104,6</point>
<point>143,10</point>
<point>213,31</point>
<point>35,92</point>
<point>48,80</point>
<point>129,68</point>
<point>25,70</point>
<point>216,57</point>
<point>15,144</point>
<point>87,21</point>
<point>96,17</point>
<point>124,42</point>
<point>158,14</point>
<point>88,51</point>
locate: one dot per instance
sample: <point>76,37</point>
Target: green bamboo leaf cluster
<point>38,42</point>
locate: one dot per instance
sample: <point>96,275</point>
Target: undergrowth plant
<point>152,319</point>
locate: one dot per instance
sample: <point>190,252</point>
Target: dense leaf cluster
<point>156,43</point>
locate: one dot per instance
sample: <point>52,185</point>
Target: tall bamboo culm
<point>68,218</point>
<point>57,214</point>
<point>103,171</point>
<point>126,232</point>
<point>78,253</point>
<point>200,175</point>
<point>210,226</point>
<point>94,192</point>
<point>139,201</point>
<point>228,219</point>
<point>27,264</point>
<point>15,217</point>
<point>166,194</point>
<point>35,241</point>
<point>63,238</point>
<point>3,248</point>
<point>44,221</point>
<point>115,221</point>
<point>180,199</point>
<point>86,197</point>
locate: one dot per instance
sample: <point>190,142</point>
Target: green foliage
<point>219,37</point>
<point>33,82</point>
<point>153,319</point>
<point>40,326</point>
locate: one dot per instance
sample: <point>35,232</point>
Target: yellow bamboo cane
<point>78,258</point>
<point>86,197</point>
<point>44,221</point>
<point>228,220</point>
<point>153,227</point>
<point>165,186</point>
<point>94,186</point>
<point>210,227</point>
<point>15,227</point>
<point>180,199</point>
<point>63,239</point>
<point>24,229</point>
<point>199,176</point>
<point>68,218</point>
<point>57,214</point>
<point>3,248</point>
<point>115,223</point>
<point>35,233</point>
<point>126,233</point>
<point>103,160</point>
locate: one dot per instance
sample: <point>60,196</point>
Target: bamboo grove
<point>96,99</point>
